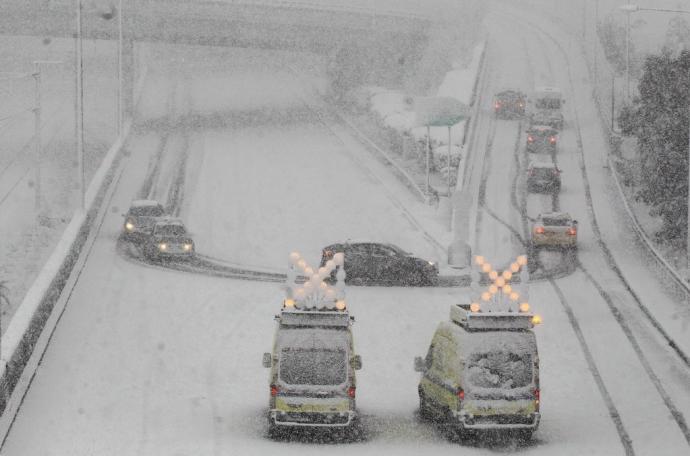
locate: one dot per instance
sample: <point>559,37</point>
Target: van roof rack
<point>463,316</point>
<point>311,318</point>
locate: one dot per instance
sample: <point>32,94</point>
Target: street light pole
<point>37,137</point>
<point>80,110</point>
<point>627,57</point>
<point>37,131</point>
<point>448,167</point>
<point>120,102</point>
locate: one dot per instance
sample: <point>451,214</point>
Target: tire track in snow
<point>614,414</point>
<point>608,256</point>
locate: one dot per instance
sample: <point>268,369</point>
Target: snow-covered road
<point>147,361</point>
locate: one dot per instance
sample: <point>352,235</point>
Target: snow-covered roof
<point>542,128</point>
<point>542,164</point>
<point>170,221</point>
<point>144,203</point>
<point>547,90</point>
<point>462,315</point>
<point>561,215</point>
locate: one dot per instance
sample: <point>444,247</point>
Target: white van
<point>481,372</point>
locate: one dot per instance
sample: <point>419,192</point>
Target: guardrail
<point>321,6</point>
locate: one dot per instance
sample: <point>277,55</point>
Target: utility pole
<point>37,138</point>
<point>37,131</point>
<point>120,92</point>
<point>80,110</point>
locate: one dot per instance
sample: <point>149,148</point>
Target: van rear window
<point>146,211</point>
<point>548,103</point>
<point>500,370</point>
<point>316,366</point>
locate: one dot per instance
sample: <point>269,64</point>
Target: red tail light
<point>572,231</point>
<point>274,390</point>
<point>537,397</point>
<point>552,140</point>
<point>539,230</point>
<point>351,392</point>
<point>530,138</point>
<point>461,394</point>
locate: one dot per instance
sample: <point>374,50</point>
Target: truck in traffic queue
<point>312,381</point>
<point>547,107</point>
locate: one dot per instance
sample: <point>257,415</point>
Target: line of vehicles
<point>545,121</point>
<point>481,372</point>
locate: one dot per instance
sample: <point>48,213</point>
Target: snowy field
<point>27,236</point>
<point>153,362</point>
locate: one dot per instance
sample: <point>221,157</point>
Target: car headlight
<point>162,246</point>
<point>129,226</point>
<point>188,247</point>
<point>431,263</point>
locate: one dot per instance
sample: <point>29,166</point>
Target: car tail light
<point>530,138</point>
<point>530,172</point>
<point>274,390</point>
<point>539,230</point>
<point>552,140</point>
<point>461,394</point>
<point>572,231</point>
<point>351,392</point>
<point>556,172</point>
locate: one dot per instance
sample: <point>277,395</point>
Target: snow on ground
<point>395,110</point>
<point>27,240</point>
<point>148,361</point>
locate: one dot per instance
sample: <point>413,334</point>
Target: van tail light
<point>274,390</point>
<point>461,394</point>
<point>351,392</point>
<point>552,140</point>
<point>530,138</point>
<point>539,230</point>
<point>572,231</point>
<point>537,397</point>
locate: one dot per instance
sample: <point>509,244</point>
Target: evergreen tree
<point>659,120</point>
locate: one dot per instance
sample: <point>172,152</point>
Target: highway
<point>147,360</point>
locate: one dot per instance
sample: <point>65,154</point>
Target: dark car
<point>541,138</point>
<point>543,177</point>
<point>377,263</point>
<point>140,219</point>
<point>509,104</point>
<point>169,239</point>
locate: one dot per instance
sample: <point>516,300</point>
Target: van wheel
<point>524,435</point>
<point>424,409</point>
<point>273,431</point>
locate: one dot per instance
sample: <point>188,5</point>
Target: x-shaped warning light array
<point>314,292</point>
<point>500,290</point>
